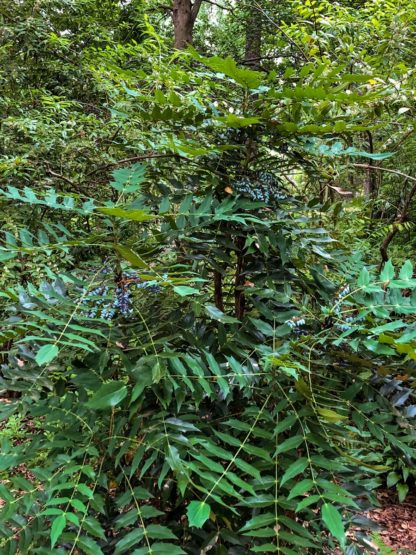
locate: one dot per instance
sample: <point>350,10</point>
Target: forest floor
<point>397,522</point>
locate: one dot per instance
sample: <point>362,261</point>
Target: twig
<point>219,6</point>
<point>401,217</point>
<point>132,159</point>
<point>388,170</point>
<point>59,176</point>
<point>289,39</point>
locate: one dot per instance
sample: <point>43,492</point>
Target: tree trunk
<point>254,26</point>
<point>370,183</point>
<point>184,15</point>
<point>252,58</point>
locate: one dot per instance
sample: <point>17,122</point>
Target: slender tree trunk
<point>252,58</point>
<point>184,15</point>
<point>401,217</point>
<point>370,183</point>
<point>254,29</point>
<point>218,295</point>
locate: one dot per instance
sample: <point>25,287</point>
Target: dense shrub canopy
<point>207,303</point>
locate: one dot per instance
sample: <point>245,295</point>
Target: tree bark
<point>254,25</point>
<point>184,15</point>
<point>252,58</point>
<point>370,183</point>
<point>401,217</point>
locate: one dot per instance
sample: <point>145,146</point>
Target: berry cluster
<point>106,304</point>
<point>296,323</point>
<point>261,186</point>
<point>346,325</point>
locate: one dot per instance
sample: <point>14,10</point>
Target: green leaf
<point>301,487</point>
<point>185,290</point>
<point>158,532</point>
<point>128,180</point>
<point>46,354</point>
<point>387,274</point>
<point>294,469</point>
<point>160,548</point>
<point>333,521</point>
<point>8,461</point>
<point>135,260</point>
<point>289,444</point>
<point>402,491</point>
<point>244,77</point>
<point>109,395</point>
<point>134,215</point>
<point>406,271</point>
<point>259,521</point>
<point>231,120</point>
<point>57,528</point>
<point>364,278</point>
<point>217,314</point>
<point>198,513</point>
<point>330,415</point>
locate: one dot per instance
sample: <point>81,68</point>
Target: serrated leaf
<point>301,488</point>
<point>109,395</point>
<point>46,354</point>
<point>333,521</point>
<point>387,274</point>
<point>406,271</point>
<point>402,491</point>
<point>135,260</point>
<point>294,469</point>
<point>57,528</point>
<point>185,290</point>
<point>217,314</point>
<point>198,513</point>
<point>330,415</point>
<point>134,215</point>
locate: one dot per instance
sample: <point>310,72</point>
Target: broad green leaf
<point>294,469</point>
<point>244,77</point>
<point>330,415</point>
<point>406,271</point>
<point>185,290</point>
<point>289,444</point>
<point>402,491</point>
<point>198,513</point>
<point>217,314</point>
<point>387,273</point>
<point>8,461</point>
<point>134,215</point>
<point>259,521</point>
<point>158,532</point>
<point>160,548</point>
<point>333,521</point>
<point>135,260</point>
<point>46,354</point>
<point>57,528</point>
<point>407,337</point>
<point>301,487</point>
<point>109,395</point>
<point>231,120</point>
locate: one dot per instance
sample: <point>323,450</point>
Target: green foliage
<point>206,365</point>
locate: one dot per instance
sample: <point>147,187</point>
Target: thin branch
<point>60,176</point>
<point>196,6</point>
<point>400,218</point>
<point>132,159</point>
<point>388,170</point>
<point>219,6</point>
<point>289,39</point>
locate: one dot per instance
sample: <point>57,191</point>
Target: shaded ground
<point>397,522</point>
